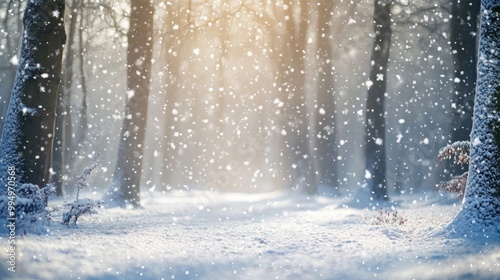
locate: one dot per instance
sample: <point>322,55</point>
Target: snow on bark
<point>27,135</point>
<point>480,214</point>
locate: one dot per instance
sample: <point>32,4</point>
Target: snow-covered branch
<point>460,151</point>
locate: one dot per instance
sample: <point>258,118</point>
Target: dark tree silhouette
<point>375,151</point>
<point>11,23</point>
<point>63,136</point>
<point>125,188</point>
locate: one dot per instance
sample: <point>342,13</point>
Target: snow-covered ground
<point>279,235</point>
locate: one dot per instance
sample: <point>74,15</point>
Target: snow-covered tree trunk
<point>125,188</point>
<point>28,133</point>
<point>480,212</point>
<point>375,112</point>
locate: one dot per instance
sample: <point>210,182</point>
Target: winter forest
<point>250,139</point>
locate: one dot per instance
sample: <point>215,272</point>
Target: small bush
<point>459,151</point>
<point>83,206</point>
<point>386,217</point>
<point>456,185</point>
<point>79,207</point>
<point>29,210</point>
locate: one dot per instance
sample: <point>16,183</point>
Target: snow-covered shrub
<point>459,151</point>
<point>25,207</point>
<point>83,206</point>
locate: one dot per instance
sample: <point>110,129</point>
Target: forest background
<point>261,95</point>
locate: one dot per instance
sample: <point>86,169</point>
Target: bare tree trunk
<point>27,137</point>
<point>125,189</point>
<point>172,160</point>
<point>326,122</point>
<point>82,132</point>
<point>278,153</point>
<point>375,164</point>
<point>63,136</point>
<point>169,158</point>
<point>296,110</point>
<point>12,23</point>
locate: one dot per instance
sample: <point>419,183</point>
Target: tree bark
<point>375,152</point>
<point>63,135</point>
<point>480,213</point>
<point>127,176</point>
<point>28,134</point>
<point>83,129</point>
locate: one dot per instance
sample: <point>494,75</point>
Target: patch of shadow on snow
<point>272,252</point>
<point>471,233</point>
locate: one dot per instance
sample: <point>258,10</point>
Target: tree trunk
<point>27,137</point>
<point>83,129</point>
<point>375,113</point>
<point>297,128</point>
<point>171,90</point>
<point>280,158</point>
<point>480,213</point>
<point>326,123</point>
<point>12,24</point>
<point>125,189</point>
<point>63,135</point>
<point>463,30</point>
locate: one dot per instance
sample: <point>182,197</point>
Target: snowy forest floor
<point>279,235</point>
